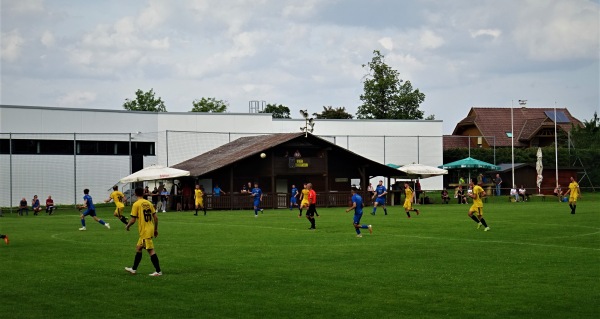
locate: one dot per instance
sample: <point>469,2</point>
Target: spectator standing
<point>186,193</point>
<point>155,196</point>
<point>418,189</point>
<point>36,207</point>
<point>164,198</point>
<point>498,182</point>
<point>49,205</point>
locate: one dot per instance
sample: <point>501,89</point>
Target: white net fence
<point>62,165</point>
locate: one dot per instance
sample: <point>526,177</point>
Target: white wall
<point>405,141</point>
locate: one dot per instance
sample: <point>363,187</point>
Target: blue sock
<point>357,231</point>
<point>364,226</point>
<point>385,210</point>
<point>83,222</point>
<point>255,211</point>
<point>374,210</point>
<point>101,222</point>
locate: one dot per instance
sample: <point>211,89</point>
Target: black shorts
<point>311,210</point>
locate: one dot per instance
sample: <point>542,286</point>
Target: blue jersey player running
<point>357,205</point>
<point>294,197</point>
<point>88,203</point>
<point>379,197</point>
<point>257,195</point>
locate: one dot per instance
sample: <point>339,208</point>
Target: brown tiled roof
<point>234,151</point>
<point>455,141</point>
<point>245,147</point>
<point>497,122</point>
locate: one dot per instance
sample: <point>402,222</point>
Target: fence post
<point>10,170</point>
<point>75,168</point>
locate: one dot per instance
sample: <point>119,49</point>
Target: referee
<point>312,202</point>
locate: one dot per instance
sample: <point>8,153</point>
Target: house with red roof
<point>491,126</point>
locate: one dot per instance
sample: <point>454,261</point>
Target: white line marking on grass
<point>580,235</point>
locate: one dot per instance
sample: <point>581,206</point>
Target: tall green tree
<point>588,135</point>
<point>277,111</point>
<point>386,96</point>
<point>209,105</point>
<point>333,113</point>
<point>145,101</point>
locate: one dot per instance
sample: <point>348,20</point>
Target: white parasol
<point>422,171</point>
<point>154,172</point>
<point>539,167</point>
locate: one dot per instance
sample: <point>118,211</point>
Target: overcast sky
<point>303,54</point>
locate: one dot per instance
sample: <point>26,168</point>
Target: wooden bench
<point>542,196</point>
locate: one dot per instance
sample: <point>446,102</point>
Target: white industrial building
<point>61,151</point>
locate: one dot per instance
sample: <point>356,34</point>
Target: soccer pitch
<point>538,261</point>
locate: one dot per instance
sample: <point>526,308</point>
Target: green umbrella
<point>470,162</point>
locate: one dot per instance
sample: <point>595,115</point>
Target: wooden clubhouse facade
<point>330,168</point>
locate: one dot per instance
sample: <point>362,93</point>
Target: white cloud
<point>561,30</point>
<point>387,43</point>
<point>494,33</point>
<point>12,43</point>
<point>76,98</point>
<point>430,40</point>
<point>47,39</point>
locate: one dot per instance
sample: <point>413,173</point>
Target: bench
<point>542,196</point>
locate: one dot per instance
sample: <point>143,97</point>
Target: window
<point>508,134</point>
<point>66,147</point>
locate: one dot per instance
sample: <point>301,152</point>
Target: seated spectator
<point>23,207</point>
<point>297,154</point>
<point>35,205</point>
<point>558,192</point>
<point>49,205</point>
<point>460,195</point>
<point>445,197</point>
<point>523,194</point>
<point>244,189</point>
<point>514,193</point>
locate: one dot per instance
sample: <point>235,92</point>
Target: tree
<point>209,105</point>
<point>333,113</point>
<point>588,135</point>
<point>145,101</point>
<point>277,111</point>
<point>386,96</point>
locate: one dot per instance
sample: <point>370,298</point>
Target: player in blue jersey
<point>257,196</point>
<point>379,197</point>
<point>357,205</point>
<point>88,203</point>
<point>294,197</point>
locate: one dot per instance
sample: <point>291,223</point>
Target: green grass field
<point>538,261</point>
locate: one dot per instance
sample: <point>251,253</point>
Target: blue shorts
<point>357,217</point>
<point>256,202</point>
<point>380,201</point>
<point>293,200</point>
<point>89,212</point>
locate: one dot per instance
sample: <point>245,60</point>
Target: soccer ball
<point>263,155</point>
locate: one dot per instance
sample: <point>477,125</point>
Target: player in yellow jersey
<point>477,194</point>
<point>574,193</point>
<point>199,200</point>
<point>143,210</point>
<point>119,198</point>
<point>409,199</point>
<point>303,199</point>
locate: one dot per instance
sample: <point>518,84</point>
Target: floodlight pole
<point>555,148</point>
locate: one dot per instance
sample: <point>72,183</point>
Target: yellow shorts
<point>200,202</point>
<point>477,210</point>
<point>146,243</point>
<point>572,200</point>
<point>304,203</point>
<point>407,204</point>
<point>119,211</point>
